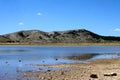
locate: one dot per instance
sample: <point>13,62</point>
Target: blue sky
<point>99,16</point>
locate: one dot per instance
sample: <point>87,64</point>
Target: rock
<point>43,61</point>
<point>42,78</point>
<point>111,74</point>
<point>6,62</point>
<point>24,75</point>
<point>17,70</point>
<point>48,70</point>
<point>62,73</point>
<point>40,68</point>
<point>20,60</point>
<point>56,59</point>
<point>93,76</point>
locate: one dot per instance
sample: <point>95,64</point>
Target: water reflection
<point>12,51</point>
<point>81,56</point>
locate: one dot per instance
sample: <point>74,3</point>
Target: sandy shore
<point>106,69</point>
<point>62,44</point>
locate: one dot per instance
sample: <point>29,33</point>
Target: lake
<point>15,59</point>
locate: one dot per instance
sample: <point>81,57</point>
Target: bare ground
<point>106,69</point>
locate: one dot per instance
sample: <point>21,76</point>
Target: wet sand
<point>105,69</point>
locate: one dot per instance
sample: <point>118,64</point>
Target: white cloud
<point>117,29</point>
<point>20,23</point>
<point>39,14</point>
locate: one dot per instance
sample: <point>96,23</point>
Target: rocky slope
<point>70,36</point>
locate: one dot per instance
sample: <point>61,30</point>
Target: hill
<point>69,36</point>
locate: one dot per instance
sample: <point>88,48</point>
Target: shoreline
<point>104,69</point>
<point>61,44</point>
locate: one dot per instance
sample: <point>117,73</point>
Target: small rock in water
<point>17,70</point>
<point>6,73</point>
<point>20,60</point>
<point>40,68</point>
<point>6,62</point>
<point>93,76</point>
<point>48,70</point>
<point>43,61</point>
<point>56,59</point>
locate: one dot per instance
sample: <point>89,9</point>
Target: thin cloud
<point>39,14</point>
<point>21,23</point>
<point>117,29</point>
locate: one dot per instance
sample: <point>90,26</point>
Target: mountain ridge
<point>68,36</point>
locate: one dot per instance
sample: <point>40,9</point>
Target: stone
<point>110,74</point>
<point>93,76</point>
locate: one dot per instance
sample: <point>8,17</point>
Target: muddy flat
<point>105,69</point>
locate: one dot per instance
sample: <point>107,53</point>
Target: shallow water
<point>14,59</point>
